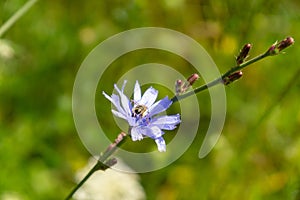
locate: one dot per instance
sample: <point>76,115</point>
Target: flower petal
<point>160,106</point>
<point>118,114</point>
<point>166,119</point>
<point>124,100</point>
<point>166,122</point>
<point>137,94</point>
<point>153,132</point>
<point>136,134</point>
<point>132,121</point>
<point>161,144</point>
<point>123,86</point>
<point>115,100</point>
<point>108,97</point>
<point>149,97</point>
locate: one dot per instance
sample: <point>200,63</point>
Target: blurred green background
<point>258,154</point>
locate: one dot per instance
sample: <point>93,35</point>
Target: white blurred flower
<point>10,196</point>
<point>109,184</point>
<point>6,51</point>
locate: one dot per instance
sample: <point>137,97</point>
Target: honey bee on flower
<point>140,113</point>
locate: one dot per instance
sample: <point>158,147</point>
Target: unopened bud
<point>192,79</point>
<point>285,43</point>
<point>279,46</point>
<point>243,54</point>
<point>232,77</point>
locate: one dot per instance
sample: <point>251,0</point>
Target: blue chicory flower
<point>140,113</point>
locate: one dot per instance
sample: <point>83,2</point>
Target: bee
<point>139,110</point>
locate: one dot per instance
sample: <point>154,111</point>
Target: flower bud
<point>243,54</point>
<point>232,77</point>
<point>192,79</point>
<point>279,46</point>
<point>285,43</point>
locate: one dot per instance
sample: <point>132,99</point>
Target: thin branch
<point>13,19</point>
<point>275,49</point>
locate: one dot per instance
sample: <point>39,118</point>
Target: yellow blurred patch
<point>228,45</point>
<point>274,182</point>
<point>174,3</point>
<point>184,171</point>
<point>87,35</point>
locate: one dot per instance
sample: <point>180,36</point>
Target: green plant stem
<point>87,176</point>
<point>220,79</point>
<point>13,19</point>
<point>100,165</point>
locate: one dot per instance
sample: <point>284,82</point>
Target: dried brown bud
<point>243,54</point>
<point>179,83</point>
<point>181,87</point>
<point>192,79</point>
<point>232,77</point>
<point>279,46</point>
<point>111,162</point>
<point>178,87</point>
